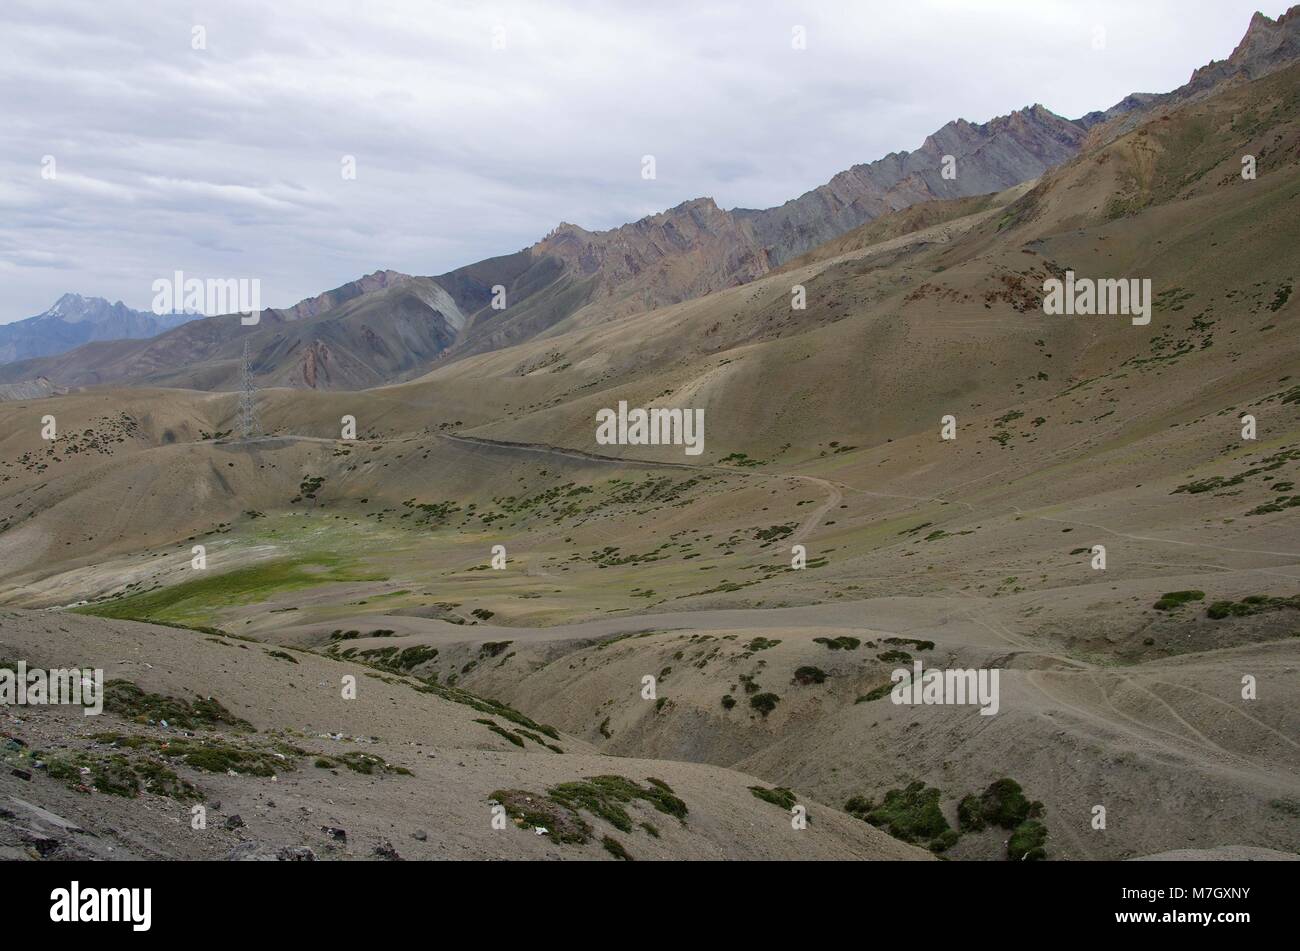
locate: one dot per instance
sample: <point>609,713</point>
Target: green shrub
<point>809,675</point>
<point>911,814</point>
<point>839,643</point>
<point>780,796</point>
<point>529,810</point>
<point>1248,607</point>
<point>944,841</point>
<point>764,703</point>
<point>859,807</point>
<point>1028,842</point>
<point>415,656</point>
<point>1176,599</point>
<point>613,847</point>
<point>970,813</point>
<point>1004,804</point>
<point>604,796</point>
<point>875,693</point>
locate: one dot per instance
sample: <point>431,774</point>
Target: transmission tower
<point>249,424</point>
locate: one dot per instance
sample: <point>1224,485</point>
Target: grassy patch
<point>196,600</point>
<point>780,796</point>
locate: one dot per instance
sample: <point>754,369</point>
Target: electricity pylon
<point>249,424</point>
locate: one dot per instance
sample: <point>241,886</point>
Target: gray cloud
<point>225,162</point>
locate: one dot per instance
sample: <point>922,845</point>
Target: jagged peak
<point>703,203</point>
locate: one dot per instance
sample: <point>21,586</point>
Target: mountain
<point>988,158</point>
<point>315,306</point>
<point>386,327</point>
<point>698,248</point>
<point>1268,46</point>
<point>74,320</point>
<point>380,328</point>
<point>38,388</point>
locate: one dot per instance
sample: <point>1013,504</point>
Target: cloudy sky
<point>478,126</point>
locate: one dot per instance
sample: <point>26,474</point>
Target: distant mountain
<point>75,320</point>
<point>379,328</point>
<point>38,388</point>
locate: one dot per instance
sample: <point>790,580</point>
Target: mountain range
<point>74,320</point>
<point>387,327</point>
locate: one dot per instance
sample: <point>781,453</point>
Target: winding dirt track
<point>833,494</point>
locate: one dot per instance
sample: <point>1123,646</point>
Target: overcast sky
<point>226,161</point>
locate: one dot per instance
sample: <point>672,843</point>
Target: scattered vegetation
<point>118,775</point>
<point>128,701</point>
<point>211,755</point>
<point>1247,607</point>
<point>913,815</point>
